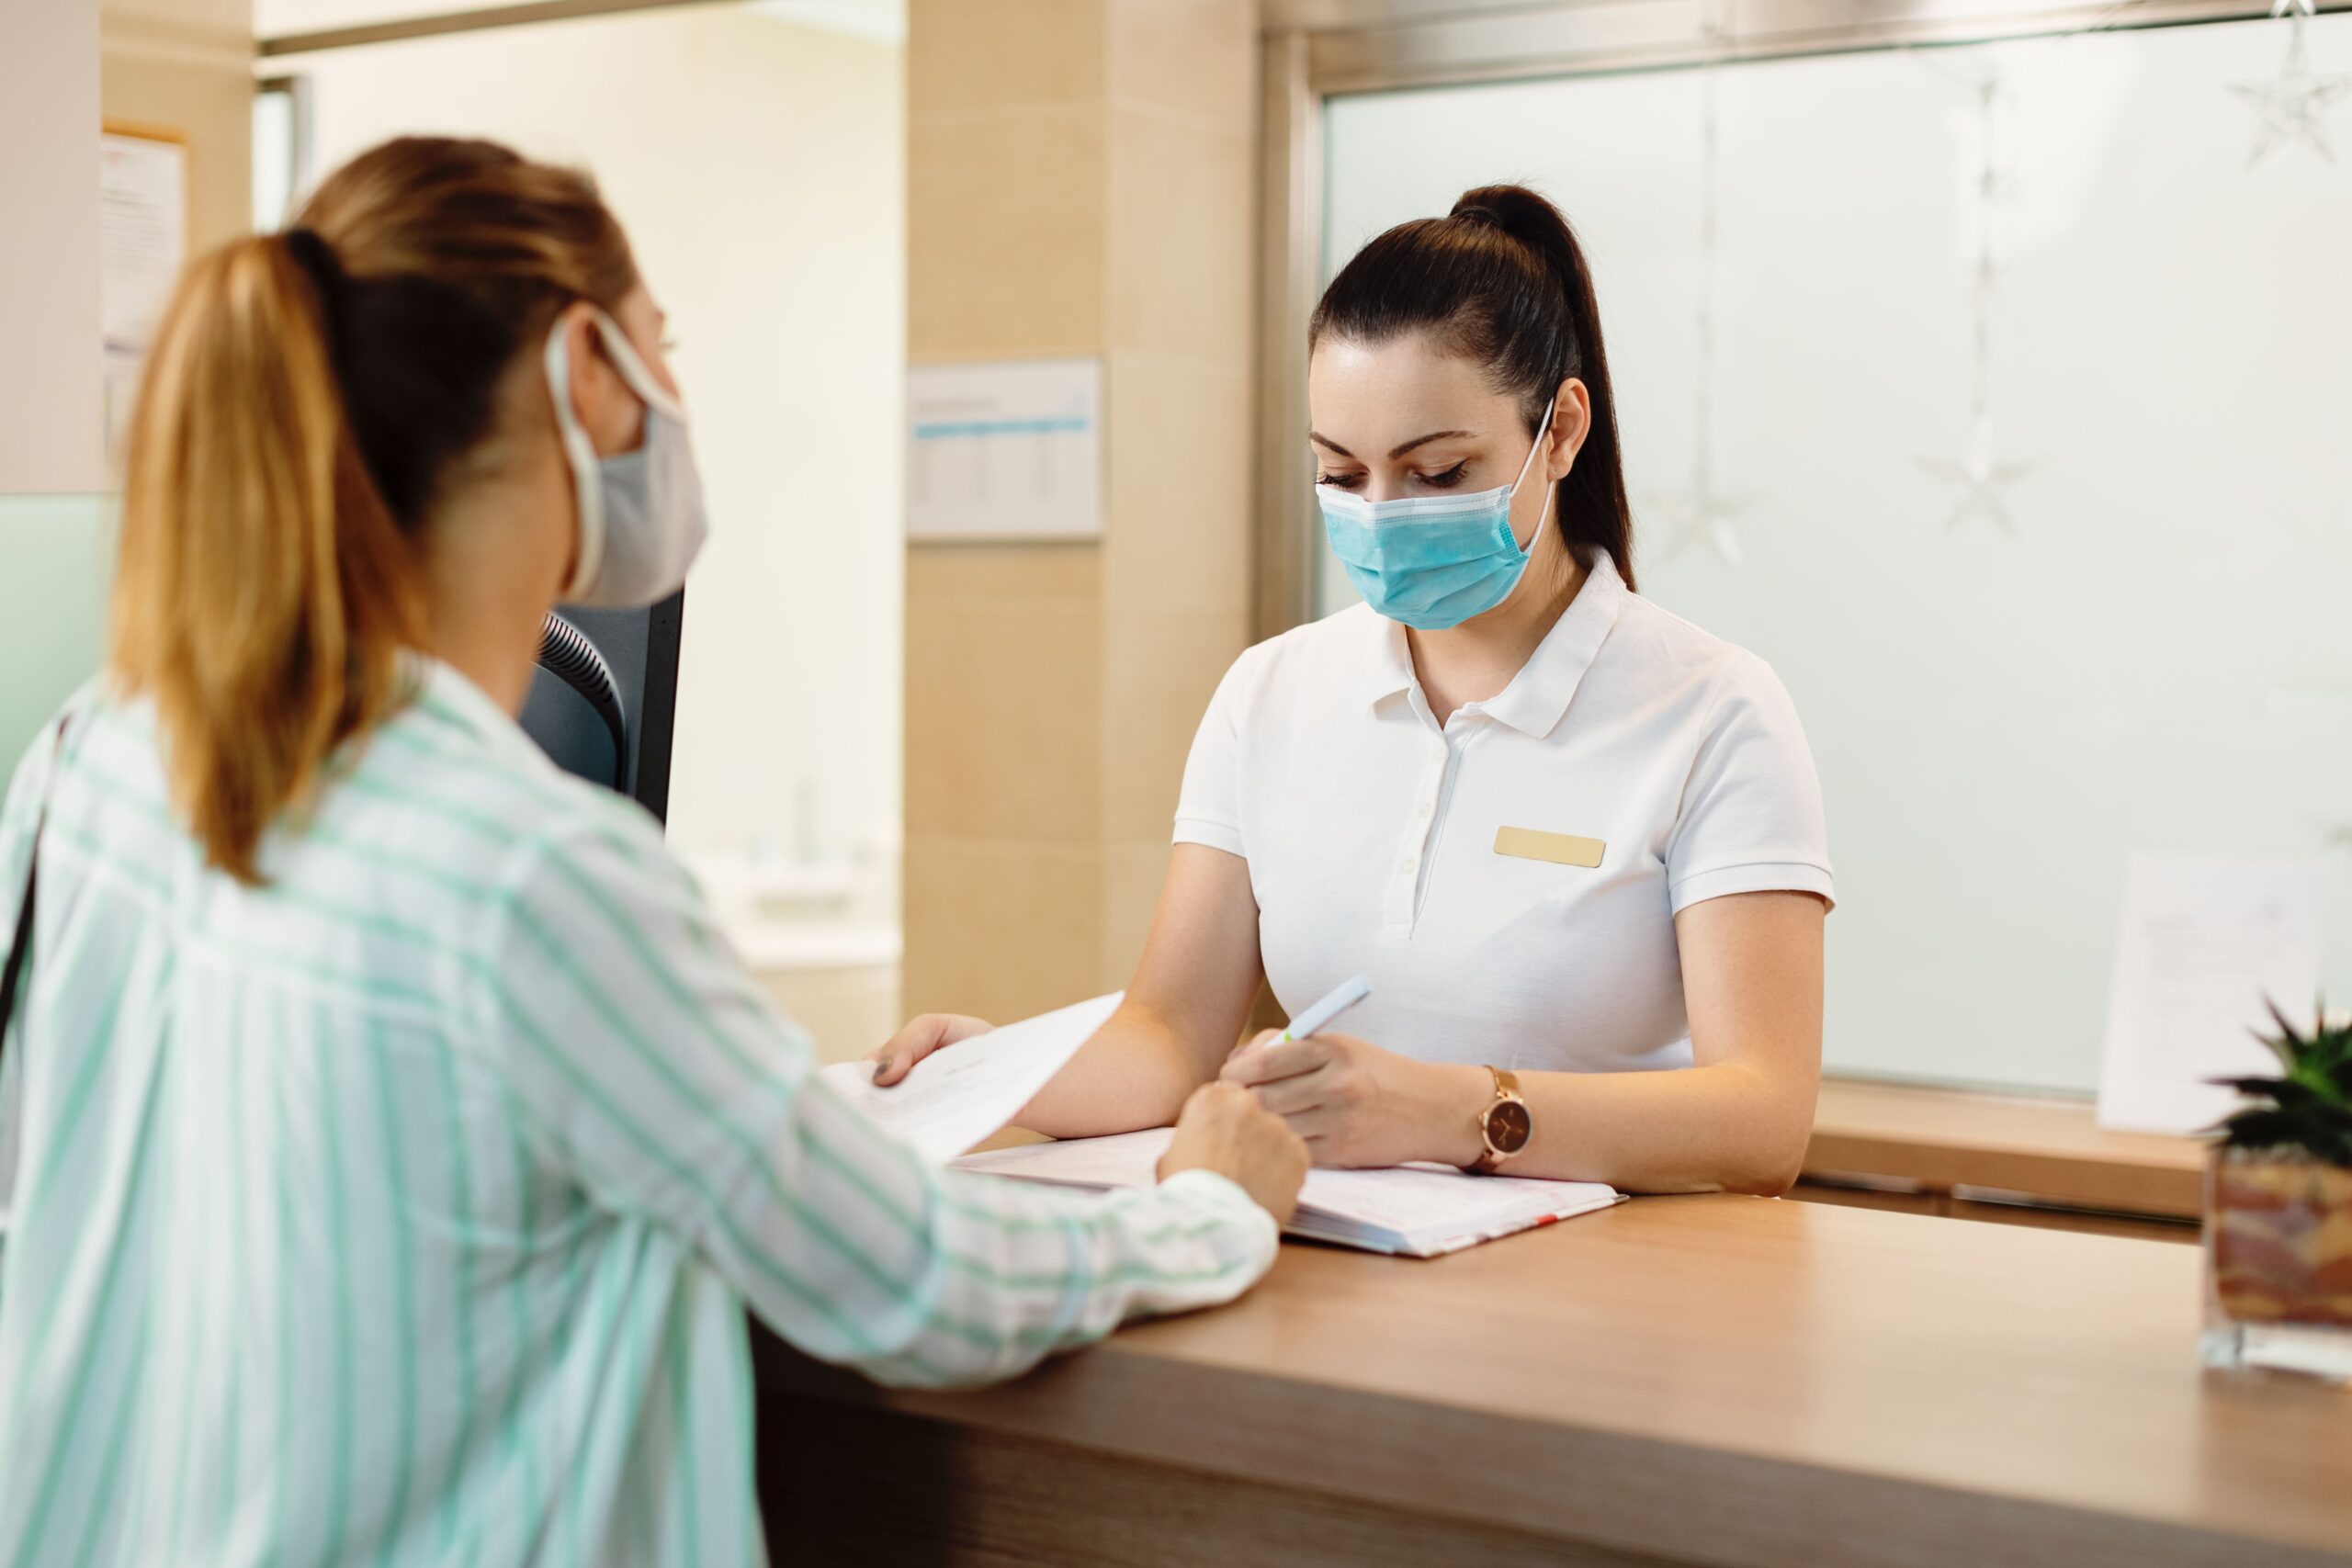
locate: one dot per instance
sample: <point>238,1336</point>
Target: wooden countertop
<point>2052,1149</point>
<point>1731,1380</point>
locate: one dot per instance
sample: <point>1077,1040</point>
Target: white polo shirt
<point>1371,829</point>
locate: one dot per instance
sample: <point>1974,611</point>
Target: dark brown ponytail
<point>1502,280</point>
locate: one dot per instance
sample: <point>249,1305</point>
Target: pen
<point>1315,1018</point>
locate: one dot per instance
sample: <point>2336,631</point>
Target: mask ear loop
<point>633,371</point>
<point>579,449</point>
<point>1541,432</point>
<point>581,453</point>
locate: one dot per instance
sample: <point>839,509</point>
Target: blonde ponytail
<point>263,592</point>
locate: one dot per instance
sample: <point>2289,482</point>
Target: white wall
<point>54,533</point>
<point>759,168</point>
<point>49,411</point>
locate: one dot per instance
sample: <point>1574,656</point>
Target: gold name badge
<point>1560,848</point>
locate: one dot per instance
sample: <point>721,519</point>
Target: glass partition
<point>2060,258</point>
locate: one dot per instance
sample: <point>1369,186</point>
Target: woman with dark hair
<point>1573,841</point>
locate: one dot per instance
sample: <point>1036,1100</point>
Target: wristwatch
<point>1505,1125</point>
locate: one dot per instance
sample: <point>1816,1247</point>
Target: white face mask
<point>641,517</point>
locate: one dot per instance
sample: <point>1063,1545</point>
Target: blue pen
<point>1317,1017</point>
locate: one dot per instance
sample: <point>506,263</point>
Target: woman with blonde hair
<point>399,1140</point>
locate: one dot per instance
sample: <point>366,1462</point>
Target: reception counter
<point>1943,1141</point>
<point>1718,1380</point>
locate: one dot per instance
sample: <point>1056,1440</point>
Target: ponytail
<point>1502,280</point>
<point>263,592</point>
<point>308,398</point>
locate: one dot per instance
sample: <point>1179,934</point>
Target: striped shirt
<point>403,1210</point>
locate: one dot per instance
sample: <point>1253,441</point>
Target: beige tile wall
<point>186,66</point>
<point>1081,182</point>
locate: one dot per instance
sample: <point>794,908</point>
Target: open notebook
<point>1420,1211</point>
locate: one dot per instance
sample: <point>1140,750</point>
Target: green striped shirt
<point>403,1210</point>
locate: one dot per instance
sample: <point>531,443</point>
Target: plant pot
<point>2278,1262</point>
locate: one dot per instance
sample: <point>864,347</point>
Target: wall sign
<point>142,207</point>
<point>1005,450</point>
<point>2207,942</point>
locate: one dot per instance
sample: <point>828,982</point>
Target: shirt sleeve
<point>655,1073</point>
<point>1208,809</point>
<point>1751,819</point>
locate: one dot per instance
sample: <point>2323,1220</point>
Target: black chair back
<point>604,701</point>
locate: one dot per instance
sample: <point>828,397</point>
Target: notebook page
<point>1417,1205</point>
<point>1123,1160</point>
<point>1423,1205</point>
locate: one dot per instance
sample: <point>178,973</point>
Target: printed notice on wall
<point>1009,449</point>
<point>2206,942</point>
<point>143,209</point>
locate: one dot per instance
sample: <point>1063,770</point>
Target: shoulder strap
<point>13,972</point>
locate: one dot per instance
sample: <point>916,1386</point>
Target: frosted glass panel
<point>56,557</point>
<point>2160,655</point>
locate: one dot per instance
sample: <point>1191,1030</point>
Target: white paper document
<point>1421,1210</point>
<point>142,213</point>
<point>957,1095</point>
<point>2206,940</point>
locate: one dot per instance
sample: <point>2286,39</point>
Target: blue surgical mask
<point>1433,561</point>
<point>641,516</point>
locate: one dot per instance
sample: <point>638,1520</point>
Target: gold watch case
<point>1506,1125</point>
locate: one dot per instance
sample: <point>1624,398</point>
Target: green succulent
<point>2308,1107</point>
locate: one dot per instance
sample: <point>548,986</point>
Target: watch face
<point>1508,1127</point>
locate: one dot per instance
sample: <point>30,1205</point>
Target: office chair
<point>603,702</point>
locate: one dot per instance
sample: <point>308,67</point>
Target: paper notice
<point>2206,941</point>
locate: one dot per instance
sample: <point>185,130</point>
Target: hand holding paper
<point>956,1096</point>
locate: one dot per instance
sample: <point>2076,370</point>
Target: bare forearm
<point>1136,1072</point>
<point>1736,1121</point>
<point>1731,1127</point>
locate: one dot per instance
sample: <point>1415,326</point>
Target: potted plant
<point>2278,1210</point>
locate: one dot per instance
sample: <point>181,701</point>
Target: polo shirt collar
<point>1538,695</point>
<point>1390,666</point>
